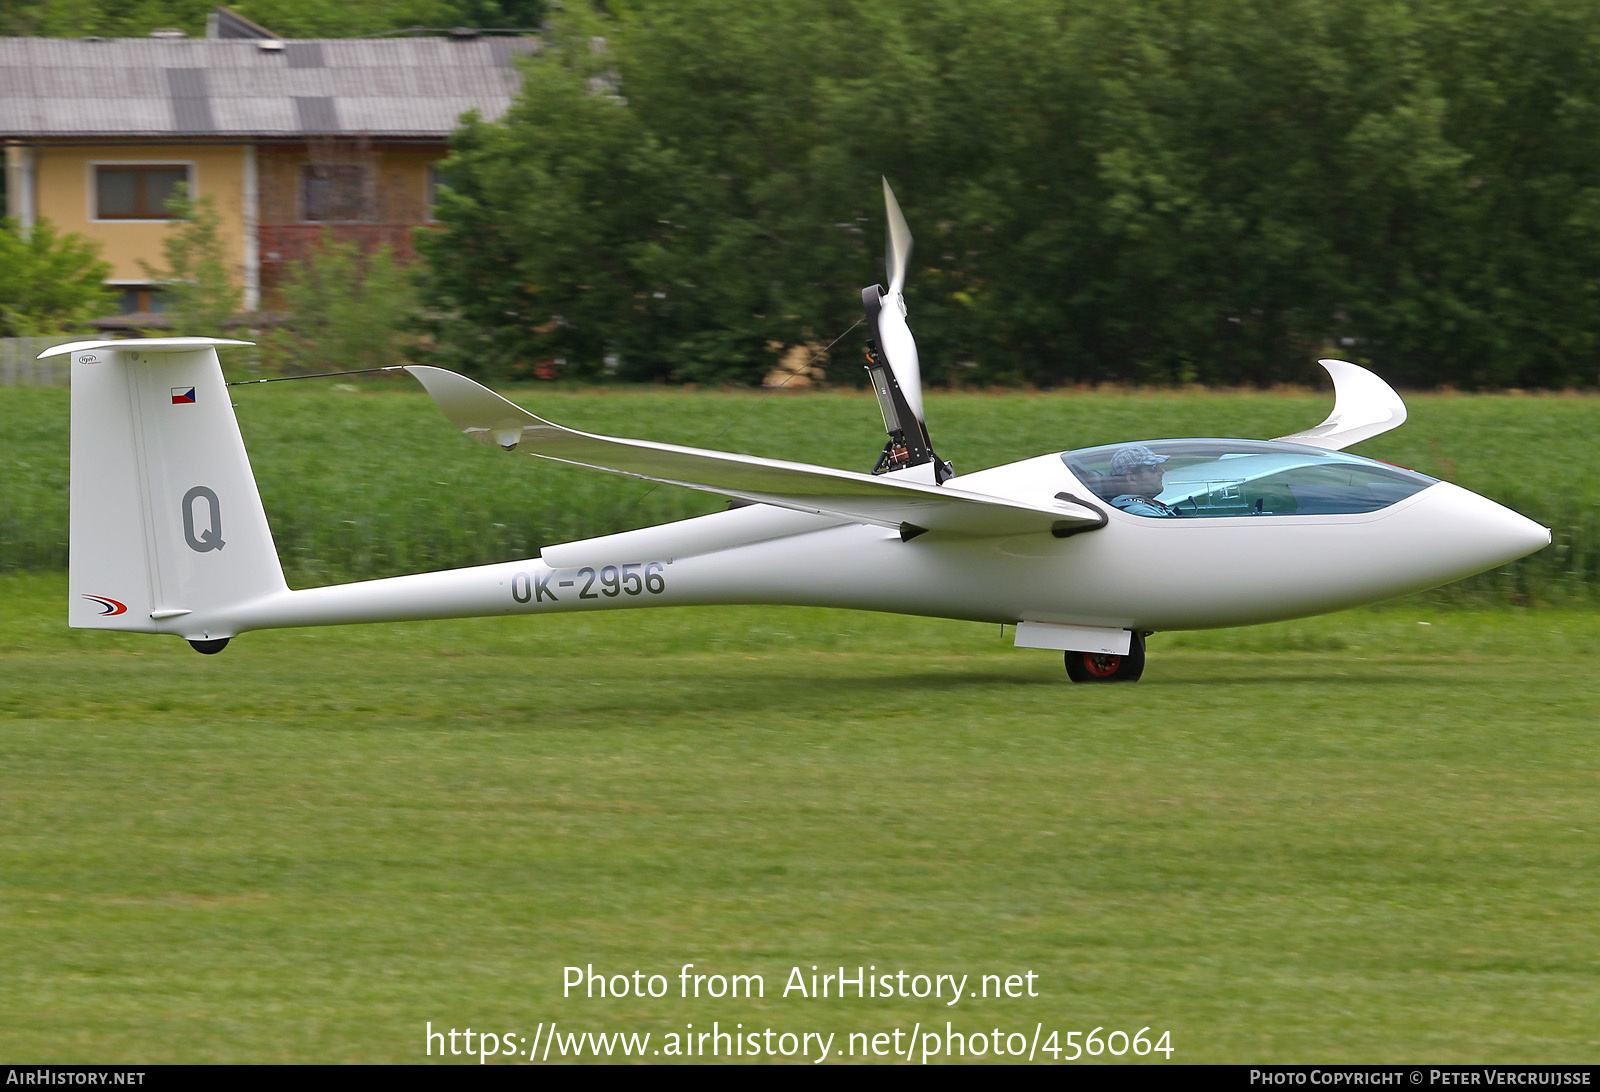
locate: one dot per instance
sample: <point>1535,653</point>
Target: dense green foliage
<point>1351,839</point>
<point>48,282</point>
<point>1147,190</point>
<point>374,482</point>
<point>345,310</point>
<point>1135,190</point>
<point>202,298</point>
<point>290,18</point>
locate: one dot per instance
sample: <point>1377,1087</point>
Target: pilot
<point>1136,480</point>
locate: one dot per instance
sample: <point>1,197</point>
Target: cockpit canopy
<point>1212,478</point>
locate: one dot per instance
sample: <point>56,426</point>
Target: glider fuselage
<point>1135,573</point>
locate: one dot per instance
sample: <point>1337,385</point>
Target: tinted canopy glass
<point>1209,478</point>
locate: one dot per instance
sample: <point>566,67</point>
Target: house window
<point>334,192</point>
<point>141,299</point>
<point>137,192</point>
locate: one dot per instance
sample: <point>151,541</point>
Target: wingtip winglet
<point>474,408</point>
<point>1364,406</point>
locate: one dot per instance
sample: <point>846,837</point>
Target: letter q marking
<point>211,537</point>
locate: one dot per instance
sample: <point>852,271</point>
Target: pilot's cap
<point>1130,458</point>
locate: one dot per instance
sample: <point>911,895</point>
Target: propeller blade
<point>894,336</point>
<point>899,249</point>
<point>899,348</point>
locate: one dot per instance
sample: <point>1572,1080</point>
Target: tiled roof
<point>233,87</point>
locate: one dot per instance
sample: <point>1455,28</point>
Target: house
<point>291,138</point>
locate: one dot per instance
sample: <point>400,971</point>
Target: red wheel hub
<point>1100,665</point>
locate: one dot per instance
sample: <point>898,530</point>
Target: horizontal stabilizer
<point>143,345</point>
<point>803,487</point>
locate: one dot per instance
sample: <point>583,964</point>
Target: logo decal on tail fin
<point>111,606</point>
<point>211,537</point>
<point>183,396</point>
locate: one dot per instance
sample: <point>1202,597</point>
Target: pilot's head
<point>1137,470</point>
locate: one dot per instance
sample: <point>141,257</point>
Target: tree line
<point>1162,191</point>
<point>1150,191</point>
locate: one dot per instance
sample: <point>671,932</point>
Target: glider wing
<point>491,419</point>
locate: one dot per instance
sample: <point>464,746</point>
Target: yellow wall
<point>64,195</point>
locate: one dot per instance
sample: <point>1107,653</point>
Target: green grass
<point>1355,838</point>
<point>374,482</point>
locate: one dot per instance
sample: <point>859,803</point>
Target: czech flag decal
<point>108,606</point>
<point>183,396</point>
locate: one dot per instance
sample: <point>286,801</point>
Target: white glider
<point>1085,551</point>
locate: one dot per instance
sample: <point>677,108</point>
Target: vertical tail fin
<point>166,518</point>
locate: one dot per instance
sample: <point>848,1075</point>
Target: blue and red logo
<point>108,606</point>
<point>183,396</point>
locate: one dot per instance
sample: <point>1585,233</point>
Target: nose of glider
<point>1483,534</point>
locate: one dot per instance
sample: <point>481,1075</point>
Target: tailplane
<point>166,518</point>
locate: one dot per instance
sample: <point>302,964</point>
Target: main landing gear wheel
<point>1108,667</point>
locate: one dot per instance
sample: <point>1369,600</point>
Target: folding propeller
<point>892,357</point>
<point>894,336</point>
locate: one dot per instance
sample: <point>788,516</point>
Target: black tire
<point>1096,667</point>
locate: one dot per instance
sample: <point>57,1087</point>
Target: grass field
<point>1370,837</point>
<point>1366,838</point>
